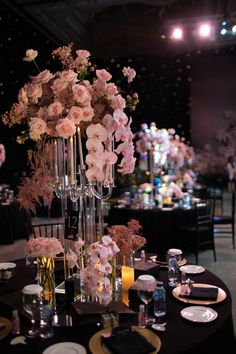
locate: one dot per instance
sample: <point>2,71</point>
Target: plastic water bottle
<point>46,320</point>
<point>141,316</point>
<point>172,270</point>
<point>159,298</point>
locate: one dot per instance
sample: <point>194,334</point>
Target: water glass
<point>32,297</point>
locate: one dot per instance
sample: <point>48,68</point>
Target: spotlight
<point>177,33</point>
<point>204,30</point>
<point>223,31</point>
<point>234,29</point>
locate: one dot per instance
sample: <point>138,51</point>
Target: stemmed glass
<point>146,285</point>
<point>32,297</point>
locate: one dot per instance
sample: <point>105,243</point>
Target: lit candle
<point>80,148</point>
<point>127,276</point>
<point>72,164</point>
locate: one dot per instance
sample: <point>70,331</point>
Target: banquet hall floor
<point>224,267</point>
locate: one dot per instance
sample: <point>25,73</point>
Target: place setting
<point>199,293</point>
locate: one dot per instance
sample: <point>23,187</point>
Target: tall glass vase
<point>46,278</point>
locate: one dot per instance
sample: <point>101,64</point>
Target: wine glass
<point>146,285</point>
<point>32,297</point>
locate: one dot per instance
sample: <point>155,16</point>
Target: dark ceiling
<point>119,27</point>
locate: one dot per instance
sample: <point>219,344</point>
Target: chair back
<point>204,213</point>
<point>55,229</point>
<point>233,205</point>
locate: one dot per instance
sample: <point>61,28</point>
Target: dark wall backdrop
<point>163,84</point>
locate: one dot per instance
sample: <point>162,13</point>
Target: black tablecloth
<point>181,336</point>
<point>15,223</point>
<point>159,226</point>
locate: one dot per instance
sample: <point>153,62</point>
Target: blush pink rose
<point>22,96</point>
<point>69,76</point>
<point>42,77</point>
<point>34,92</point>
<point>54,109</point>
<point>129,73</point>
<point>65,128</point>
<point>58,85</point>
<point>83,53</point>
<point>81,94</point>
<point>37,126</point>
<point>76,114</point>
<point>103,75</point>
<point>30,55</point>
<point>88,113</point>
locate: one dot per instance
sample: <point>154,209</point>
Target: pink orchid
<point>94,146</point>
<point>118,102</point>
<point>120,117</point>
<point>96,131</point>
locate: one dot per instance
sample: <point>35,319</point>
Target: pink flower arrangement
<point>80,96</point>
<point>44,247</point>
<point>2,154</point>
<point>96,274</point>
<point>128,237</point>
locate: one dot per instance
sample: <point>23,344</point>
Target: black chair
<point>225,224</point>
<point>217,193</point>
<point>199,234</point>
<point>50,229</point>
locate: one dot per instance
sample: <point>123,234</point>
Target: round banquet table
<point>181,336</point>
<point>159,226</point>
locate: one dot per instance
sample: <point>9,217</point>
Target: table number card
<point>71,224</point>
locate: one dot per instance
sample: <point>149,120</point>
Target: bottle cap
<point>32,289</point>
<point>174,252</point>
<point>146,278</point>
<point>159,283</point>
<point>141,308</point>
<point>15,313</point>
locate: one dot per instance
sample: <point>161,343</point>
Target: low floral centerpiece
<point>128,239</point>
<point>45,249</point>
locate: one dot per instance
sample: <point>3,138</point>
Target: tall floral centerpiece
<point>45,249</point>
<point>76,117</point>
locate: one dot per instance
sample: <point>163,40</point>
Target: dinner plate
<point>6,328</point>
<point>199,314</point>
<point>65,348</point>
<point>96,347</point>
<point>7,265</point>
<point>221,295</point>
<point>192,269</point>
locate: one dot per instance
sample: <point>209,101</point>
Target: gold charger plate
<point>6,329</point>
<point>96,347</point>
<point>221,295</point>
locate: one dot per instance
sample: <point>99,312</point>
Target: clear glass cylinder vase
<point>46,278</point>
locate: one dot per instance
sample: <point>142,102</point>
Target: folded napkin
<point>128,342</point>
<point>200,293</point>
